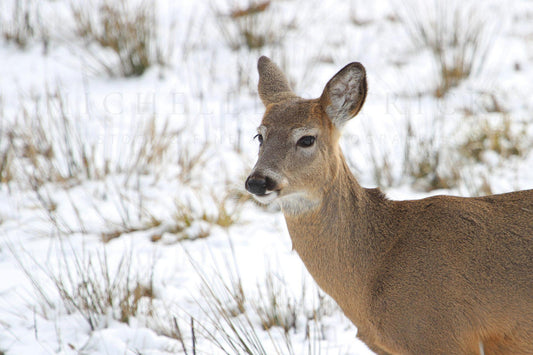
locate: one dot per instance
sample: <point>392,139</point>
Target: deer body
<point>440,275</point>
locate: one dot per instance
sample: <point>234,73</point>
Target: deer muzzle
<point>263,188</point>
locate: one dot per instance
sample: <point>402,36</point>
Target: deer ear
<point>273,85</point>
<point>345,94</point>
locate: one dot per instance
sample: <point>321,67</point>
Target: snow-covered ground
<point>124,227</point>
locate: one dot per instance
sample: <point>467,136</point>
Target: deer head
<point>299,155</point>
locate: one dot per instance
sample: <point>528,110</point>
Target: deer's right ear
<point>273,85</point>
<point>345,94</point>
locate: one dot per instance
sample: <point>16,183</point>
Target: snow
<point>205,97</point>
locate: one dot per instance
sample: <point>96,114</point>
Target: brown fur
<point>440,275</point>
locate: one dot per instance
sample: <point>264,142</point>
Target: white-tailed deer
<point>441,275</point>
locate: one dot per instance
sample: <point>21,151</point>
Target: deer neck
<point>343,240</point>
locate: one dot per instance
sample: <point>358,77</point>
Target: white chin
<point>267,198</point>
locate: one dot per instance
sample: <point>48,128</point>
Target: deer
<point>439,275</point>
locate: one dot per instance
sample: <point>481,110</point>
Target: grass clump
<point>440,157</point>
<point>423,158</point>
<point>48,139</point>
<point>127,29</point>
<point>501,136</point>
<point>252,25</point>
<point>428,161</point>
<point>90,283</point>
<point>195,218</point>
<point>455,34</point>
<point>6,156</point>
<point>20,26</point>
<point>236,319</point>
<point>48,142</point>
<point>275,307</point>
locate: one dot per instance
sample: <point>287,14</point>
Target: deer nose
<point>258,184</point>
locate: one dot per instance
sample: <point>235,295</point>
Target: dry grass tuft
<point>429,161</point>
<point>235,317</point>
<point>127,29</point>
<point>7,172</point>
<point>48,140</point>
<point>48,143</point>
<point>20,26</point>
<point>275,307</point>
<point>193,221</point>
<point>502,137</point>
<point>253,25</point>
<point>90,284</point>
<point>456,35</point>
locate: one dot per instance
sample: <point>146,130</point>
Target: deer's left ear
<point>345,94</point>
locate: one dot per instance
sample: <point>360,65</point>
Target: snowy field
<point>126,135</point>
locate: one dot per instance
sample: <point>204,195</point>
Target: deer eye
<point>306,141</point>
<point>259,138</point>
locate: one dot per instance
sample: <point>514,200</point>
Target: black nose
<point>256,185</point>
<point>259,185</point>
